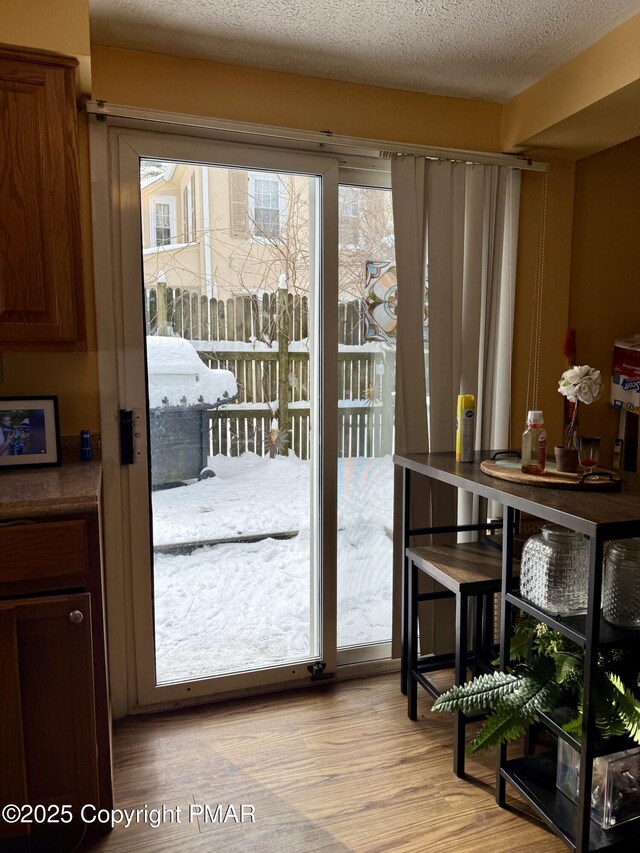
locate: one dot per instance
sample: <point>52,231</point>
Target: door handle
<point>126,437</point>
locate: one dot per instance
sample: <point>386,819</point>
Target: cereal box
<point>625,379</point>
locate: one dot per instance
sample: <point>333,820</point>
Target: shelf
<point>602,517</point>
<point>554,721</point>
<point>574,628</point>
<point>535,778</point>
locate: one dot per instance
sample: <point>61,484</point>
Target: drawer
<point>44,552</point>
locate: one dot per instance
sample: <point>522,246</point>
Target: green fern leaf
<point>573,727</point>
<point>537,691</point>
<point>505,724</point>
<point>519,649</point>
<point>569,665</point>
<point>609,721</point>
<point>481,693</point>
<point>627,706</point>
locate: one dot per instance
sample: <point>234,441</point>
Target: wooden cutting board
<point>509,469</point>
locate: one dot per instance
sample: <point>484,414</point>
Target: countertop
<point>68,488</point>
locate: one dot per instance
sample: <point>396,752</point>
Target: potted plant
<point>579,384</point>
<point>548,677</point>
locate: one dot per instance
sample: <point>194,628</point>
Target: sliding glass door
<point>260,491</point>
<point>226,273</point>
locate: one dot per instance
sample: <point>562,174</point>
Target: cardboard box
<point>625,379</point>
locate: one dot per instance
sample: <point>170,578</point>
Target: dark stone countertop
<point>35,492</point>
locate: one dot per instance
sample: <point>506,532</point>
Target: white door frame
<point>115,153</point>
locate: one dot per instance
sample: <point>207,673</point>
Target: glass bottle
<point>534,444</point>
<point>554,570</point>
<point>621,586</point>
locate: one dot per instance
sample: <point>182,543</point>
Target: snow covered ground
<point>237,606</point>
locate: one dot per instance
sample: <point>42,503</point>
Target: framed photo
<point>29,433</point>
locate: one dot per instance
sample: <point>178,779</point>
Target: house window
<point>267,205</point>
<point>163,221</point>
<point>189,210</point>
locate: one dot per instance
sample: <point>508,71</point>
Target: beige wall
<point>555,295</point>
<point>58,25</point>
<point>590,103</point>
<point>605,270</point>
<point>236,93</point>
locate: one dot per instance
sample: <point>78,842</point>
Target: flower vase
<point>566,459</point>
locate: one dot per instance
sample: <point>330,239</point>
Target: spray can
<point>465,433</point>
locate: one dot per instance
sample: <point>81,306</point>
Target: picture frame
<point>29,432</point>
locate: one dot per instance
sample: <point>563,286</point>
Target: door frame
<point>115,152</point>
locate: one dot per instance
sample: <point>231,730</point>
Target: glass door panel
<point>230,264</point>
<point>366,395</point>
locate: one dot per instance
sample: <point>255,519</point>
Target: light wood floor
<point>334,768</point>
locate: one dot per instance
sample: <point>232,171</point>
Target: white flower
<point>580,383</point>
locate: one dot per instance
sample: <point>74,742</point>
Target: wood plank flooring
<point>334,768</point>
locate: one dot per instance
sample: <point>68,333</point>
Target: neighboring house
<point>222,232</point>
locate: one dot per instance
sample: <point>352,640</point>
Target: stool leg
<point>460,678</point>
<point>487,628</point>
<point>404,626</point>
<point>412,642</point>
<point>405,629</point>
<point>478,655</point>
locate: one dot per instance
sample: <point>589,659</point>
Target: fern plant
<point>547,672</point>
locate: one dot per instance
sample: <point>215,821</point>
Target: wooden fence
<point>361,376</point>
<point>241,318</point>
<point>269,379</point>
<point>362,431</point>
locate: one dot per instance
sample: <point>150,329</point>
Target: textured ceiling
<point>471,48</point>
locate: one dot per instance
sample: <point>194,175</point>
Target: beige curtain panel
<point>456,225</point>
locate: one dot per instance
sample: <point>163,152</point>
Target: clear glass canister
<point>554,570</point>
<point>621,586</point>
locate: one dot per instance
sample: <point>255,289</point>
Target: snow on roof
<point>179,377</point>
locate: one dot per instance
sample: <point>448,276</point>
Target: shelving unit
<point>601,517</point>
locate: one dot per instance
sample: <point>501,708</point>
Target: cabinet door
<point>41,279</point>
<point>50,680</point>
<point>13,782</point>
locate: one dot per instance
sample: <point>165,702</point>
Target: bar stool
<point>466,571</point>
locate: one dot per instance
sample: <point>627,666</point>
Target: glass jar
<point>621,586</point>
<point>615,784</point>
<point>554,571</point>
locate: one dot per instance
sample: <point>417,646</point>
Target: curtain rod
<point>326,140</point>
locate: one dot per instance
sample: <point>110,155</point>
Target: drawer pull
<point>76,617</point>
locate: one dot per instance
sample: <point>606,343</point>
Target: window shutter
<point>239,197</point>
<point>192,220</point>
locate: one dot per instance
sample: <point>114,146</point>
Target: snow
<point>234,606</point>
<point>272,405</point>
<point>230,607</point>
<point>178,376</point>
<point>294,346</point>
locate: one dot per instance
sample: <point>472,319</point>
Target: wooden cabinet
<point>55,737</point>
<point>41,276</point>
<point>46,685</point>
